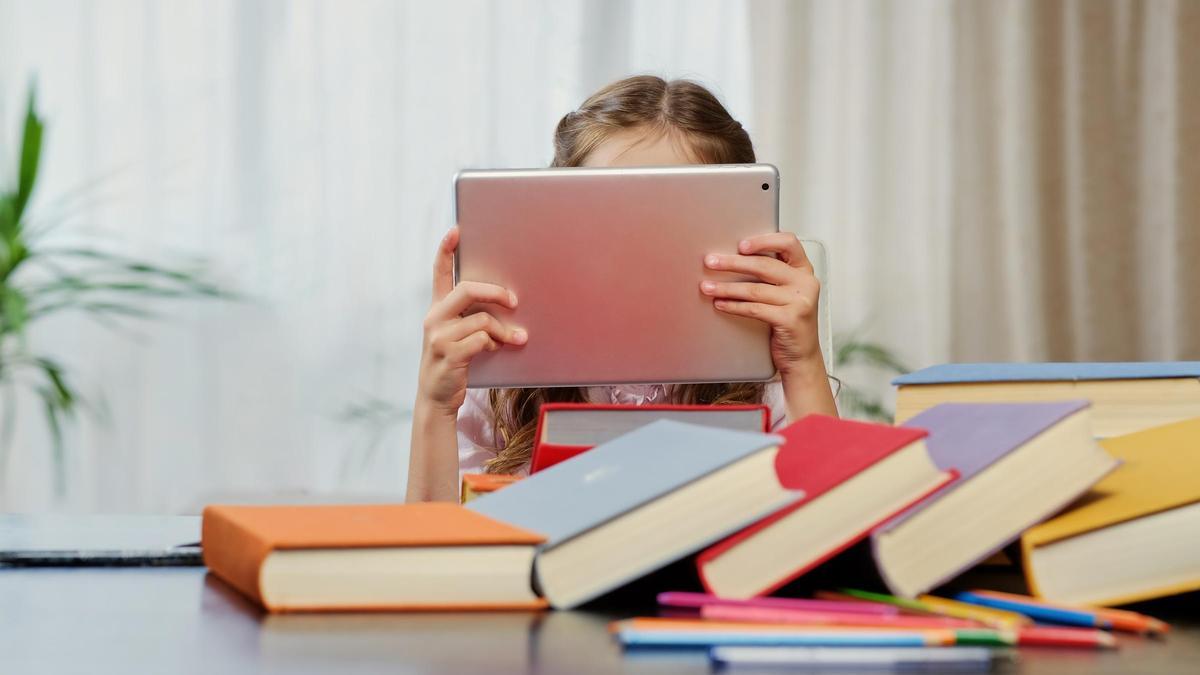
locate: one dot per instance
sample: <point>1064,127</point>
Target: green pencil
<point>903,603</point>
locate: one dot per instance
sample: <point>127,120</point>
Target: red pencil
<point>1051,636</point>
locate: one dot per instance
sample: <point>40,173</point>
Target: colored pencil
<point>884,598</point>
<point>1054,636</point>
<point>803,617</point>
<point>650,624</point>
<point>1114,619</point>
<point>634,637</point>
<point>736,632</point>
<point>698,600</point>
<point>846,658</point>
<point>997,618</point>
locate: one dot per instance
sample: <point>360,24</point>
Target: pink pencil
<point>810,618</point>
<point>699,600</point>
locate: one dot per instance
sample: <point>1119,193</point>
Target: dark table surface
<point>165,619</point>
<point>181,620</point>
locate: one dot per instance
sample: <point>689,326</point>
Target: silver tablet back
<point>607,263</point>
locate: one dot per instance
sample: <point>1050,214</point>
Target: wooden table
<point>181,620</point>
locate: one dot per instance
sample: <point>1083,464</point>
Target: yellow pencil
<point>997,618</point>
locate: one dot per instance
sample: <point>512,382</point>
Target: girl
<point>639,121</point>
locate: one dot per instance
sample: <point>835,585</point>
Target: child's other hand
<point>451,339</point>
<point>785,296</point>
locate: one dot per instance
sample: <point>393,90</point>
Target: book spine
<point>232,553</point>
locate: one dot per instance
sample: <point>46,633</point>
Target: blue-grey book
<point>950,373</point>
<point>639,502</point>
<point>1126,397</point>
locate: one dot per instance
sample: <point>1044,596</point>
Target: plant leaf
<point>65,397</point>
<point>852,352</point>
<point>13,309</point>
<point>854,403</point>
<point>31,151</point>
<point>8,219</point>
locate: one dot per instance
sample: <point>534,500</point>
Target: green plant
<point>855,401</point>
<point>39,280</point>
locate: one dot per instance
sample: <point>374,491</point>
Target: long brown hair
<point>709,134</point>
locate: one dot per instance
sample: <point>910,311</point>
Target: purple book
<point>972,438</point>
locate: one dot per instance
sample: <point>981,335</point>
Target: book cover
<point>820,453</point>
<point>547,453</point>
<point>951,373</point>
<point>570,498</point>
<point>236,540</point>
<point>475,485</point>
<point>970,437</point>
<point>1160,471</point>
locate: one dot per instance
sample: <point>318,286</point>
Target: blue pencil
<point>1059,615</point>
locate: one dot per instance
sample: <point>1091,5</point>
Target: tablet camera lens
<point>766,186</point>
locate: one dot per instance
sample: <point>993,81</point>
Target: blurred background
<point>993,180</point>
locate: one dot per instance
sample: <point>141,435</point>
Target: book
<point>373,557</point>
<point>1133,537</point>
<point>476,484</point>
<point>565,430</point>
<point>1126,397</point>
<point>854,475</point>
<point>1018,464</point>
<point>639,502</point>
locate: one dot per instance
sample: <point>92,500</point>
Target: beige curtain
<point>1012,180</point>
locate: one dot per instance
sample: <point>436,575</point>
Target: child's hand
<point>452,340</point>
<point>785,296</point>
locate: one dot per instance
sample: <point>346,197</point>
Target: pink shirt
<point>476,434</point>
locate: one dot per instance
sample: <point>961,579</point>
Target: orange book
<point>371,557</point>
<point>479,484</point>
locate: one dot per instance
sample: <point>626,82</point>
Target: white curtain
<point>306,150</point>
<point>1004,180</point>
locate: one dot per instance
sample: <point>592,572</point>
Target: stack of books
<point>1091,473</point>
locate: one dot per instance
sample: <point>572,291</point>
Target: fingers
<point>770,270</point>
<point>751,291</point>
<point>460,329</point>
<point>443,265</point>
<point>771,314</point>
<point>786,244</point>
<point>460,353</point>
<point>469,293</point>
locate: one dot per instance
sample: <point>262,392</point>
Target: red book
<point>568,429</point>
<point>855,476</point>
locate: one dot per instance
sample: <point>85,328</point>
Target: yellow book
<point>1136,535</point>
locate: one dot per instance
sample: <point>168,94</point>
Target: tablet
<point>607,264</point>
